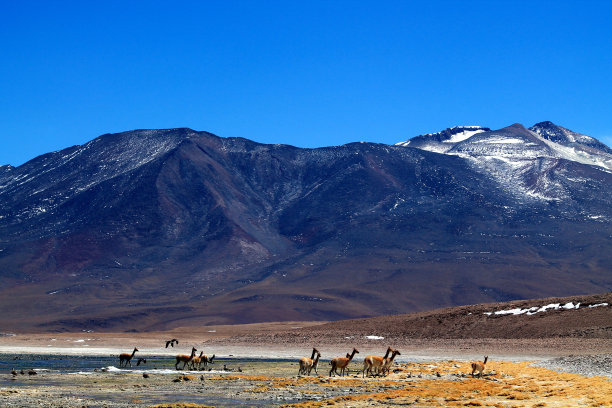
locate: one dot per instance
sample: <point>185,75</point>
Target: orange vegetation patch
<point>283,382</point>
<point>230,378</point>
<point>504,384</point>
<point>180,405</point>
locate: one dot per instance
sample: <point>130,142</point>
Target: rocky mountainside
<point>165,228</point>
<point>528,162</point>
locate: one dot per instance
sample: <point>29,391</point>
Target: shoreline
<point>282,355</point>
<point>270,347</point>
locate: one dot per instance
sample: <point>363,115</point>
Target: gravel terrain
<point>587,365</point>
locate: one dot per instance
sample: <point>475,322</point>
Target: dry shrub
<point>517,396</point>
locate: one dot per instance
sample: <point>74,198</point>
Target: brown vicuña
<point>374,362</point>
<point>307,364</point>
<point>196,361</point>
<point>206,360</point>
<point>185,359</point>
<point>125,358</point>
<point>341,363</point>
<point>478,367</point>
<point>388,362</point>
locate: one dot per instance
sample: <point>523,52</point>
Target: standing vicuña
<point>196,361</point>
<point>124,358</point>
<point>341,363</point>
<point>371,363</point>
<point>307,364</point>
<point>206,360</point>
<point>184,358</point>
<point>389,361</point>
<point>478,367</point>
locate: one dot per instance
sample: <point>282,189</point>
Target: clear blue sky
<point>306,73</point>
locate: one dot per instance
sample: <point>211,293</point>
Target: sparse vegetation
<point>505,384</point>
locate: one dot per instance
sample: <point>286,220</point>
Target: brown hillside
<point>472,322</point>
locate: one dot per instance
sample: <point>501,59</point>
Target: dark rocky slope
<point>164,228</point>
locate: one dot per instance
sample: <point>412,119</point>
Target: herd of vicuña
<point>372,365</point>
<point>191,361</point>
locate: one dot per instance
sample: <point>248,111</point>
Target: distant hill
<point>588,316</point>
<point>154,229</point>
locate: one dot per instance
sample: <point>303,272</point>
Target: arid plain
<point>559,356</point>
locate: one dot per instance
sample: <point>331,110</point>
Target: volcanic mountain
<point>153,229</point>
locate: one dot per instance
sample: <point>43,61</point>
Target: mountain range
<point>156,229</point>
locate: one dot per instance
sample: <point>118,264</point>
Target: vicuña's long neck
<point>314,351</point>
<point>133,352</point>
<point>392,357</point>
<point>387,353</point>
<point>352,355</point>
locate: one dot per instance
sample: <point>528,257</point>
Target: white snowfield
<point>468,131</point>
<point>577,153</point>
<point>512,159</point>
<point>540,309</point>
<point>503,140</point>
<point>466,134</point>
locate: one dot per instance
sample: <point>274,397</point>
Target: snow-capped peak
<point>558,134</point>
<point>460,134</point>
<point>442,141</point>
<point>514,155</point>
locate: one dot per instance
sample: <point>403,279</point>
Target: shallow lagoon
<point>60,372</point>
<point>88,364</point>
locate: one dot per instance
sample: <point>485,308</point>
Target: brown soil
<point>472,322</point>
<point>464,330</point>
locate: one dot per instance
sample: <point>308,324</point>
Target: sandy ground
<point>291,340</point>
<point>557,372</point>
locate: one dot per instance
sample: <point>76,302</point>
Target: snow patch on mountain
<point>440,141</point>
<point>466,133</point>
<point>523,161</point>
<point>541,309</point>
<point>576,154</point>
<point>502,140</point>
